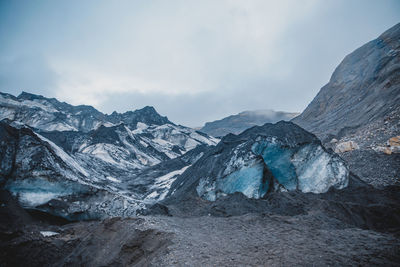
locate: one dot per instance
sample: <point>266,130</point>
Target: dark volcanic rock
<point>113,242</point>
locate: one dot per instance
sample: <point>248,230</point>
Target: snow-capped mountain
<point>98,165</point>
<point>135,138</point>
<point>51,115</point>
<point>91,158</point>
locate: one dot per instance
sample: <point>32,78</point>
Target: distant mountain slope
<point>238,123</point>
<point>136,138</point>
<point>361,104</point>
<point>51,115</point>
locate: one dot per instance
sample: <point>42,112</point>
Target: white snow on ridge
<point>165,181</point>
<point>162,184</point>
<point>60,127</point>
<point>48,233</point>
<point>36,198</point>
<point>64,156</point>
<point>27,103</point>
<point>111,154</point>
<point>140,126</point>
<point>112,179</point>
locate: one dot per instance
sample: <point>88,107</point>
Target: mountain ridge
<point>64,116</point>
<point>246,119</point>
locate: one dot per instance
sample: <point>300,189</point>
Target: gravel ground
<point>270,240</point>
<point>322,231</point>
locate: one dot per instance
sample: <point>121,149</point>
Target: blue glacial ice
<point>278,160</point>
<point>308,168</point>
<point>37,191</point>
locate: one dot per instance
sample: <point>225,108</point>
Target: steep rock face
<point>361,104</point>
<point>273,157</point>
<point>365,87</point>
<point>238,123</point>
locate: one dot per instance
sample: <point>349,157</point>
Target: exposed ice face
<point>244,173</point>
<point>317,170</point>
<point>278,160</point>
<point>38,191</point>
<point>248,180</point>
<point>307,167</point>
<point>207,189</point>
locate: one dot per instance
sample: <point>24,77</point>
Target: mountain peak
<point>29,96</point>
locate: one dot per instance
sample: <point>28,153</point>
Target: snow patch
<point>163,183</point>
<point>36,198</point>
<point>112,179</point>
<point>48,233</point>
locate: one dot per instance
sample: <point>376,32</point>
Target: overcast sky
<point>194,61</point>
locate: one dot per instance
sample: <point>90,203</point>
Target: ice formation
<point>263,164</point>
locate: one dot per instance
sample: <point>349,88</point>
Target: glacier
<point>264,159</point>
<point>308,168</point>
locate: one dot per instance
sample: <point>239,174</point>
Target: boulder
<point>394,141</point>
<point>383,149</point>
<point>346,146</point>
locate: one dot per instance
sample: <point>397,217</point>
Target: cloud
<point>28,72</point>
<point>193,60</point>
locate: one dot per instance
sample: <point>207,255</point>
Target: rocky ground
<point>272,240</point>
<point>358,226</point>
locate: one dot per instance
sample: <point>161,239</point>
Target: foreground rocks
<point>346,146</point>
<point>39,239</point>
<point>344,228</point>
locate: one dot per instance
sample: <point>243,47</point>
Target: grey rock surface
<point>361,103</point>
